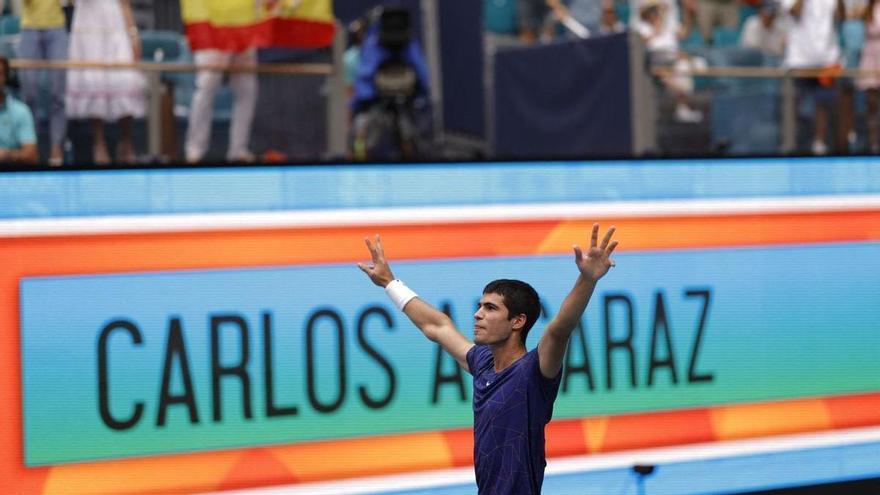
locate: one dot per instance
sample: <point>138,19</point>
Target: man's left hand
<point>596,262</point>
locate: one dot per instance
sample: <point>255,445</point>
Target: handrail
<point>327,69</point>
<point>272,68</point>
<point>763,72</point>
<point>786,75</point>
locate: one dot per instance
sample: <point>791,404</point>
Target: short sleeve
<point>24,127</point>
<point>476,358</point>
<point>550,386</point>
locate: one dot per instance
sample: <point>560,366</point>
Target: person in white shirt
<point>661,40</point>
<point>813,43</point>
<point>765,31</point>
<point>870,81</point>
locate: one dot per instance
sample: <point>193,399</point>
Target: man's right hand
<point>378,270</point>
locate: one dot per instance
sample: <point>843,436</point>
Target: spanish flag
<point>235,25</point>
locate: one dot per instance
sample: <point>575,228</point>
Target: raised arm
<point>436,326</point>
<point>795,9</point>
<point>592,265</point>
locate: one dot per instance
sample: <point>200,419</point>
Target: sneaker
<point>820,148</point>
<point>688,115</point>
<point>245,157</point>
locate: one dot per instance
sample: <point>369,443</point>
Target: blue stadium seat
<point>694,43</point>
<point>748,121</point>
<point>723,37</point>
<point>171,44</point>
<point>735,56</point>
<point>622,9</point>
<point>499,16</point>
<point>10,24</point>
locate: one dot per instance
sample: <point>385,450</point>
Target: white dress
<point>98,33</point>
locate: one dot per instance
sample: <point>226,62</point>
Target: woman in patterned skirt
<point>104,31</point>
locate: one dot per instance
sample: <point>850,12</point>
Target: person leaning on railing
<point>18,140</point>
<point>661,38</point>
<point>870,83</point>
<point>765,30</point>
<point>104,31</point>
<point>44,37</point>
<point>813,43</point>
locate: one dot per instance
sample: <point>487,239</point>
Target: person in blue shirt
<point>514,389</point>
<point>18,139</point>
<point>373,54</point>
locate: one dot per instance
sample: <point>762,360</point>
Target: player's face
<point>491,322</point>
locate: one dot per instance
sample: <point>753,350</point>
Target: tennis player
<point>514,389</point>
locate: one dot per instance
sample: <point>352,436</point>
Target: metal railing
<point>334,87</point>
<point>788,95</point>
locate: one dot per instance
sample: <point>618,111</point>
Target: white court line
<point>585,463</point>
<point>113,224</point>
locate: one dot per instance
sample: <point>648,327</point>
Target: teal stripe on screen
<point>781,322</point>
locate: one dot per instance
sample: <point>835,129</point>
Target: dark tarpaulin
<point>461,57</point>
<point>567,99</point>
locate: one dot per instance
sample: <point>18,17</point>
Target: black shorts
<point>810,87</point>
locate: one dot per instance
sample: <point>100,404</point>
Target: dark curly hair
<point>520,299</point>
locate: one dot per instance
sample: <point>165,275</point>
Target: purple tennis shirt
<point>510,411</point>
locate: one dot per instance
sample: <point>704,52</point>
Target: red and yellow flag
<point>236,25</point>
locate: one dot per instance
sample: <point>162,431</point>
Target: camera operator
<point>390,100</point>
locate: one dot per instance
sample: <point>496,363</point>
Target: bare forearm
<point>573,306</point>
<point>796,9</point>
<point>427,318</point>
<point>26,154</point>
<point>128,16</point>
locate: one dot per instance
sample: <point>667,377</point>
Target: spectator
<point>855,9</point>
<point>715,13</point>
<point>390,106</point>
<point>104,31</point>
<point>765,31</point>
<point>678,16</point>
<point>870,83</point>
<point>610,23</point>
<point>852,42</point>
<point>18,140</point>
<point>534,21</point>
<point>352,56</point>
<point>244,89</point>
<point>663,50</point>
<point>351,60</point>
<point>813,43</point>
<point>44,37</point>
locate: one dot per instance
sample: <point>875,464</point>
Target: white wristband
<point>399,293</point>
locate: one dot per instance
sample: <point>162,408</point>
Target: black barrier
<point>461,59</point>
<point>566,99</point>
